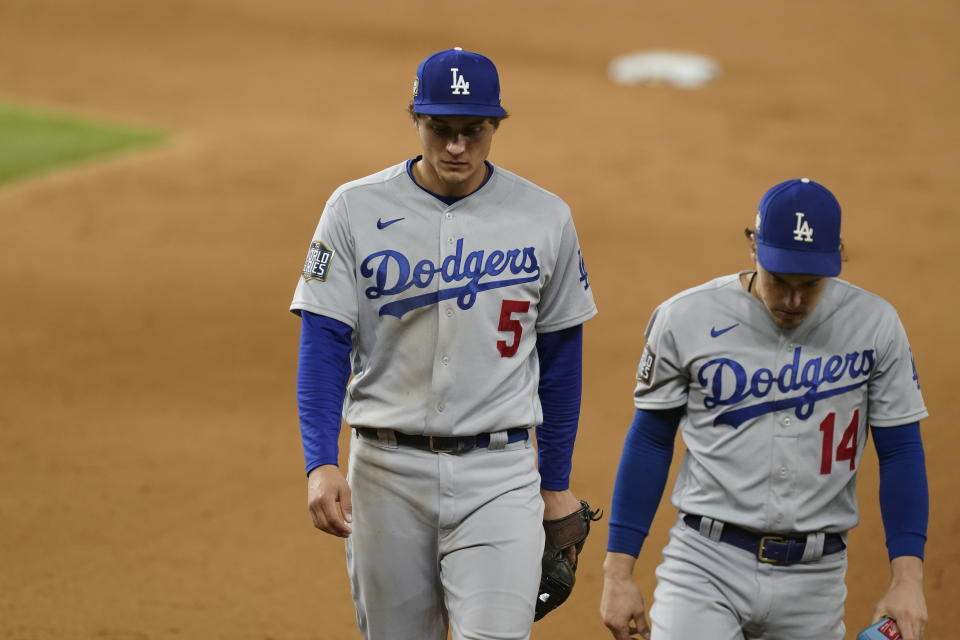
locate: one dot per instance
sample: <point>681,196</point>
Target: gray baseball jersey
<point>775,421</point>
<point>446,301</point>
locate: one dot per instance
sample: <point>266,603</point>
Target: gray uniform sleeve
<point>662,382</point>
<point>894,391</point>
<point>328,281</point>
<point>566,299</point>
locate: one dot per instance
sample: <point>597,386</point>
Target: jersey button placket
<point>780,501</point>
<point>447,228</point>
<point>784,357</point>
<point>442,380</point>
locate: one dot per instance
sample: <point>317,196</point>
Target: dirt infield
<point>149,450</point>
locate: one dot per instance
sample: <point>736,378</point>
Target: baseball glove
<point>558,573</point>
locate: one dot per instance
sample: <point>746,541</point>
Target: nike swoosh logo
<point>716,333</point>
<point>383,225</point>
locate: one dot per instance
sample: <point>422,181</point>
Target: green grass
<point>34,141</point>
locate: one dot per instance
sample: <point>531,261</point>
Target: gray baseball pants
<point>711,589</point>
<point>444,539</point>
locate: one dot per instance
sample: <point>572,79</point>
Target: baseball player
<point>772,377</point>
<point>453,292</point>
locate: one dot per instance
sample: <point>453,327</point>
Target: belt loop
<point>813,550</point>
<point>705,523</point>
<point>716,531</point>
<point>710,528</point>
<point>498,441</point>
<point>387,437</point>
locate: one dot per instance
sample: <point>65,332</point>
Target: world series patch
<point>645,370</point>
<point>318,262</point>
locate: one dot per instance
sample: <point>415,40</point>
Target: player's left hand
<point>904,601</point>
<point>621,605</point>
<point>328,500</point>
<point>556,505</point>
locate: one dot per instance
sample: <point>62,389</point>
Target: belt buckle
<point>763,544</point>
<point>433,447</point>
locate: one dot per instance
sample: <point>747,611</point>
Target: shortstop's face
<point>454,150</point>
<point>789,297</point>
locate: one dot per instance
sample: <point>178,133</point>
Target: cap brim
<point>816,263</point>
<point>460,109</point>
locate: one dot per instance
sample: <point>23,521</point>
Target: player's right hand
<point>621,607</point>
<point>328,499</point>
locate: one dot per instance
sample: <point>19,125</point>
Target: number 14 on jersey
<point>846,450</point>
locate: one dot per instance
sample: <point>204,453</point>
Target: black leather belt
<point>445,444</point>
<point>774,549</point>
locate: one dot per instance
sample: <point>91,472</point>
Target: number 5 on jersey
<point>509,324</point>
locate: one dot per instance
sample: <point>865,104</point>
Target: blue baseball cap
<point>798,229</point>
<point>455,82</point>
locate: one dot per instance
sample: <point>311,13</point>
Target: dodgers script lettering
<point>800,374</point>
<point>393,274</point>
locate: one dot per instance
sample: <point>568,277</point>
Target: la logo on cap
<point>460,86</point>
<point>803,232</point>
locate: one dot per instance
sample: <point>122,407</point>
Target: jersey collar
<point>448,200</point>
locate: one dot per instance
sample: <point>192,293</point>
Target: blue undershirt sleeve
<point>904,497</point>
<point>322,373</point>
<point>641,478</point>
<point>561,367</point>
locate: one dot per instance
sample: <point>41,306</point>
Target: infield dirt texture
<point>149,450</point>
